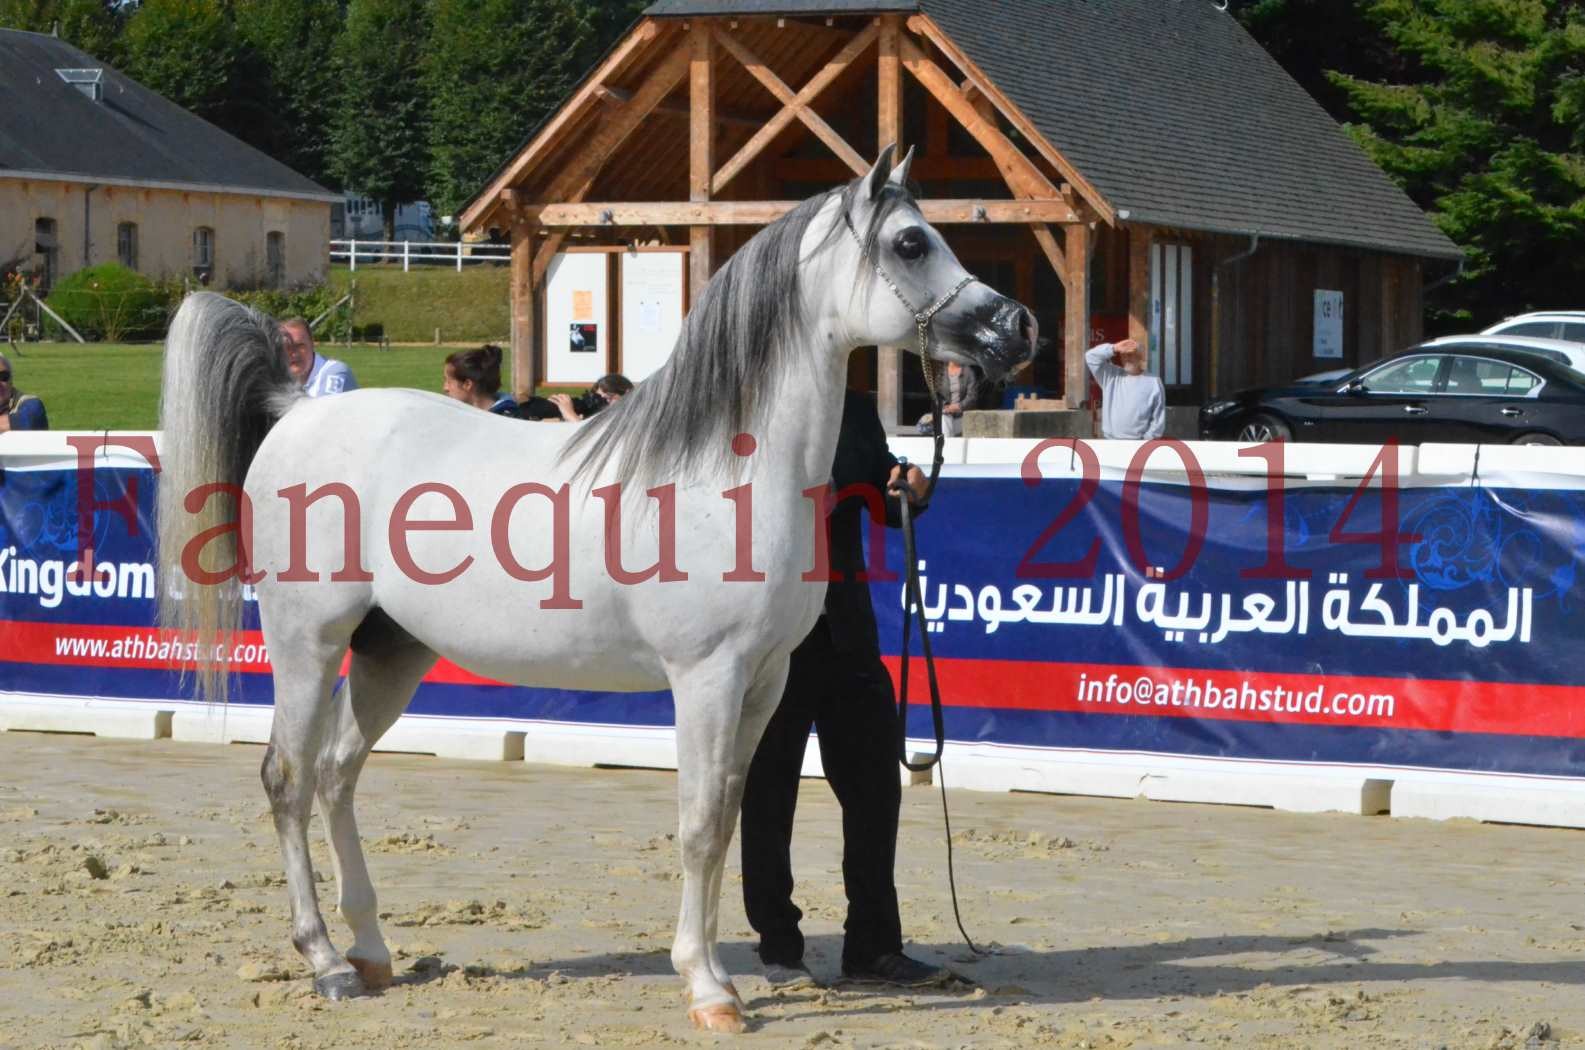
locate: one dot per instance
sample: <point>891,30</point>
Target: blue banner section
<point>1428,626</point>
<point>1462,554</point>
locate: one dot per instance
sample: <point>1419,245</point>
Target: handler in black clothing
<point>838,685</point>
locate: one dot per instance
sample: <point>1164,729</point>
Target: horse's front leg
<point>710,703</point>
<point>759,703</point>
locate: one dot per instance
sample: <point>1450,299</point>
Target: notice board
<point>577,318</point>
<point>653,302</point>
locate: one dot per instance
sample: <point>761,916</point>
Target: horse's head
<point>906,273</point>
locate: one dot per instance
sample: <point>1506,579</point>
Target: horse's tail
<point>225,384</point>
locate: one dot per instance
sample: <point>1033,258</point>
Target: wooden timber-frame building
<point>1124,167</point>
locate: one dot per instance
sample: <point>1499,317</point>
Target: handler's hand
<point>563,403</point>
<point>917,482</point>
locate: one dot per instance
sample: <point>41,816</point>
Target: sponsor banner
<point>1425,626</point>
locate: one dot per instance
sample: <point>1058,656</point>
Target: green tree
<point>612,18</point>
<point>188,51</point>
<point>379,133</point>
<point>93,25</point>
<point>1485,129</point>
<point>294,41</point>
<point>495,69</point>
<point>1312,38</point>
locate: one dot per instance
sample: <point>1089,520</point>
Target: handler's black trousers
<point>848,699</point>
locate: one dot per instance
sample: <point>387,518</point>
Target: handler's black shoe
<point>789,977</point>
<point>897,970</point>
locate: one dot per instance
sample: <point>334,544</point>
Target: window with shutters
<point>275,258</point>
<point>127,245</point>
<point>203,251</point>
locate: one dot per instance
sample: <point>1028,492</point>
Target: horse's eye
<point>911,244</point>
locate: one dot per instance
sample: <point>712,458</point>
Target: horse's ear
<point>899,174</point>
<point>875,181</point>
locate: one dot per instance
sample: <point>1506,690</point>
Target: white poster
<point>1328,323</point>
<point>652,309</point>
<point>576,308</point>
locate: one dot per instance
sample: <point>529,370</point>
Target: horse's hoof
<point>721,1017</point>
<point>336,986</point>
<point>731,989</point>
<point>376,975</point>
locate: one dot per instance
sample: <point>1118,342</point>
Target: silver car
<point>1543,324</point>
<point>1563,351</point>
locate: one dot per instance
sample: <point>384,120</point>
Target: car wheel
<point>1263,428</point>
<point>1536,439</point>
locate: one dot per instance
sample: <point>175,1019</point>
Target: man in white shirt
<point>319,375</point>
<point>1133,403</point>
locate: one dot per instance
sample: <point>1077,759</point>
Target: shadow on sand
<point>1187,968</point>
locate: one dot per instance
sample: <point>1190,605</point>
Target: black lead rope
<point>914,611</point>
<point>915,608</point>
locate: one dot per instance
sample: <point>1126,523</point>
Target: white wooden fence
<point>420,253</point>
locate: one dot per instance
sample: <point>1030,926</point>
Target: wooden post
<point>1413,273</point>
<point>1390,307</point>
<point>889,359</point>
<point>1076,310</point>
<point>890,104</point>
<point>701,155</point>
<point>524,379</point>
<point>1024,292</point>
<point>1139,285</point>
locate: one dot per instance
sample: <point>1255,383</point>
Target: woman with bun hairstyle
<point>474,377</point>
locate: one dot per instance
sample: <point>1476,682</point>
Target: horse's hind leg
<point>385,673</point>
<point>306,664</point>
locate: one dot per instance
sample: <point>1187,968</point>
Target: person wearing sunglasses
<point>18,411</point>
<point>319,375</point>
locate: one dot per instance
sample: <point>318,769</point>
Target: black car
<point>1453,392</point>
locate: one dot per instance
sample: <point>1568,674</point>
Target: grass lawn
<point>109,386</point>
<point>473,305</point>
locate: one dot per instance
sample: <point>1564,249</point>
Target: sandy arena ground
<point>141,904</point>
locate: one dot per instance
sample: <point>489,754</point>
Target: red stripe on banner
<point>148,648</point>
<point>1253,696</point>
<point>1104,689</point>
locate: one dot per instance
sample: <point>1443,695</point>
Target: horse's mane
<point>735,347</point>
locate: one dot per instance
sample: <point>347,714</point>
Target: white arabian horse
<point>404,526</point>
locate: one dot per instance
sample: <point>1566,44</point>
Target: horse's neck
<point>802,424</point>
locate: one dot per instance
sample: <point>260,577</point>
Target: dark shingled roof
<point>1173,113</point>
<point>684,8</point>
<point>132,135</point>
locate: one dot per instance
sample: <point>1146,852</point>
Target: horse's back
<point>357,431</point>
<point>473,536</point>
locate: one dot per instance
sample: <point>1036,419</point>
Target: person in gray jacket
<point>1133,402</point>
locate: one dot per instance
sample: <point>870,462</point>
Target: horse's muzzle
<point>1005,336</point>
